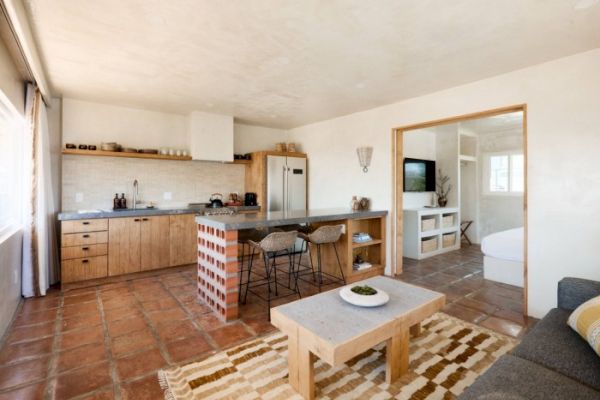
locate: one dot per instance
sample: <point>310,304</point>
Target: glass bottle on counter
<point>116,202</point>
<point>123,201</point>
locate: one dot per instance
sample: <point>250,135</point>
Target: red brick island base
<point>218,279</point>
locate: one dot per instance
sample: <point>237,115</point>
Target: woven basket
<point>448,239</point>
<point>428,245</point>
<point>448,221</point>
<point>427,224</point>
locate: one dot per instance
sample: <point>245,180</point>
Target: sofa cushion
<point>516,379</point>
<point>585,320</point>
<point>553,344</point>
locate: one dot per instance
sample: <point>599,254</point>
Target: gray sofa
<point>551,362</point>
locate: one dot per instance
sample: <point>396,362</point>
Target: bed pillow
<point>585,320</point>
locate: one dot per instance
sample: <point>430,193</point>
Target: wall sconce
<point>364,157</point>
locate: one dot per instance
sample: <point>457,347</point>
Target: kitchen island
<point>218,278</point>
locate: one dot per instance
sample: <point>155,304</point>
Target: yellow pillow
<point>585,320</point>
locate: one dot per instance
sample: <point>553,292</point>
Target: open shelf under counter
<point>365,244</point>
<point>376,269</point>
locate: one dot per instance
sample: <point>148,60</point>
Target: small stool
<point>464,225</point>
<point>272,246</point>
<point>327,234</point>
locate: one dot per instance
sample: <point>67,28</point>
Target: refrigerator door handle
<point>289,202</point>
<point>285,189</point>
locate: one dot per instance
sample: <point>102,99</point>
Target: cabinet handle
<point>84,261</point>
<point>86,223</point>
<point>144,219</point>
<point>85,248</point>
<point>136,220</point>
<point>86,236</point>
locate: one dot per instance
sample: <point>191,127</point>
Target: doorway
<point>466,169</point>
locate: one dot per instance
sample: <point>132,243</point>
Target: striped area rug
<point>446,358</point>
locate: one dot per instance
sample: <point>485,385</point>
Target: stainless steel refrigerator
<point>286,183</point>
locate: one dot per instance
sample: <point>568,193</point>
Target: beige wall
<point>564,167</point>
<point>249,138</point>
<point>86,122</point>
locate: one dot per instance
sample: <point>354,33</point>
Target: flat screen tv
<point>419,175</point>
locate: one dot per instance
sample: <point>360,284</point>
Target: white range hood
<point>211,136</point>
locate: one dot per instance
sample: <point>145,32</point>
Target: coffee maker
<point>250,199</point>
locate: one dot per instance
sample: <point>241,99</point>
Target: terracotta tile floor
<point>108,341</point>
<point>468,296</point>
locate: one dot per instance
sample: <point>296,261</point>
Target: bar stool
<point>274,245</point>
<point>327,234</point>
<point>244,238</point>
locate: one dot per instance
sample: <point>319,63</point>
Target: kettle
<point>216,200</point>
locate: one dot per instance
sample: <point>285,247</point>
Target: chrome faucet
<point>135,193</point>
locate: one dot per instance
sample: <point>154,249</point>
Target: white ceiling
<point>285,63</point>
<point>496,123</point>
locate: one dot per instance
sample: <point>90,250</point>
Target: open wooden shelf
<point>376,269</point>
<point>239,162</point>
<point>365,244</point>
<point>101,153</point>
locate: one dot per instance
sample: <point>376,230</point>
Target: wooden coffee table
<point>327,327</point>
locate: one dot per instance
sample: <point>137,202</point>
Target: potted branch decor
<point>442,190</point>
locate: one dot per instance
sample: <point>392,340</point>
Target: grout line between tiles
<point>50,388</point>
<point>108,349</point>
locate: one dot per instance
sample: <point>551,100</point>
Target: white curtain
<point>40,250</point>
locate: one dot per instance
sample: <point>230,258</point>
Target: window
<point>504,173</point>
<point>11,137</point>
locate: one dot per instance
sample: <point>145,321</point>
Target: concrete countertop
<point>140,212</point>
<point>278,218</point>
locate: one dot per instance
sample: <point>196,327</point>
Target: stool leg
<point>312,265</point>
<point>319,273</point>
<point>339,263</point>
<point>290,270</point>
<point>241,273</point>
<point>267,270</point>
<point>275,273</point>
<point>249,273</point>
<point>296,288</point>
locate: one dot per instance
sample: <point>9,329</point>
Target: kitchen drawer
<point>85,225</point>
<point>81,269</point>
<point>92,250</point>
<point>80,239</point>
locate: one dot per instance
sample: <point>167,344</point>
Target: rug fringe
<point>164,385</point>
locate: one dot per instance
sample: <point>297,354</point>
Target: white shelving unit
<point>428,231</point>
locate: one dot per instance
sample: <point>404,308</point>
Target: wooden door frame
<point>398,191</point>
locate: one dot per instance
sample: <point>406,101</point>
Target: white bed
<point>503,256</point>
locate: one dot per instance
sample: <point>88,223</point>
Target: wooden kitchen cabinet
<point>184,239</point>
<point>155,242</point>
<point>124,245</point>
<point>97,248</point>
<point>81,269</point>
<point>83,250</point>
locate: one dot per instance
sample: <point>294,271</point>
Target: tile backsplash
<point>91,182</point>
